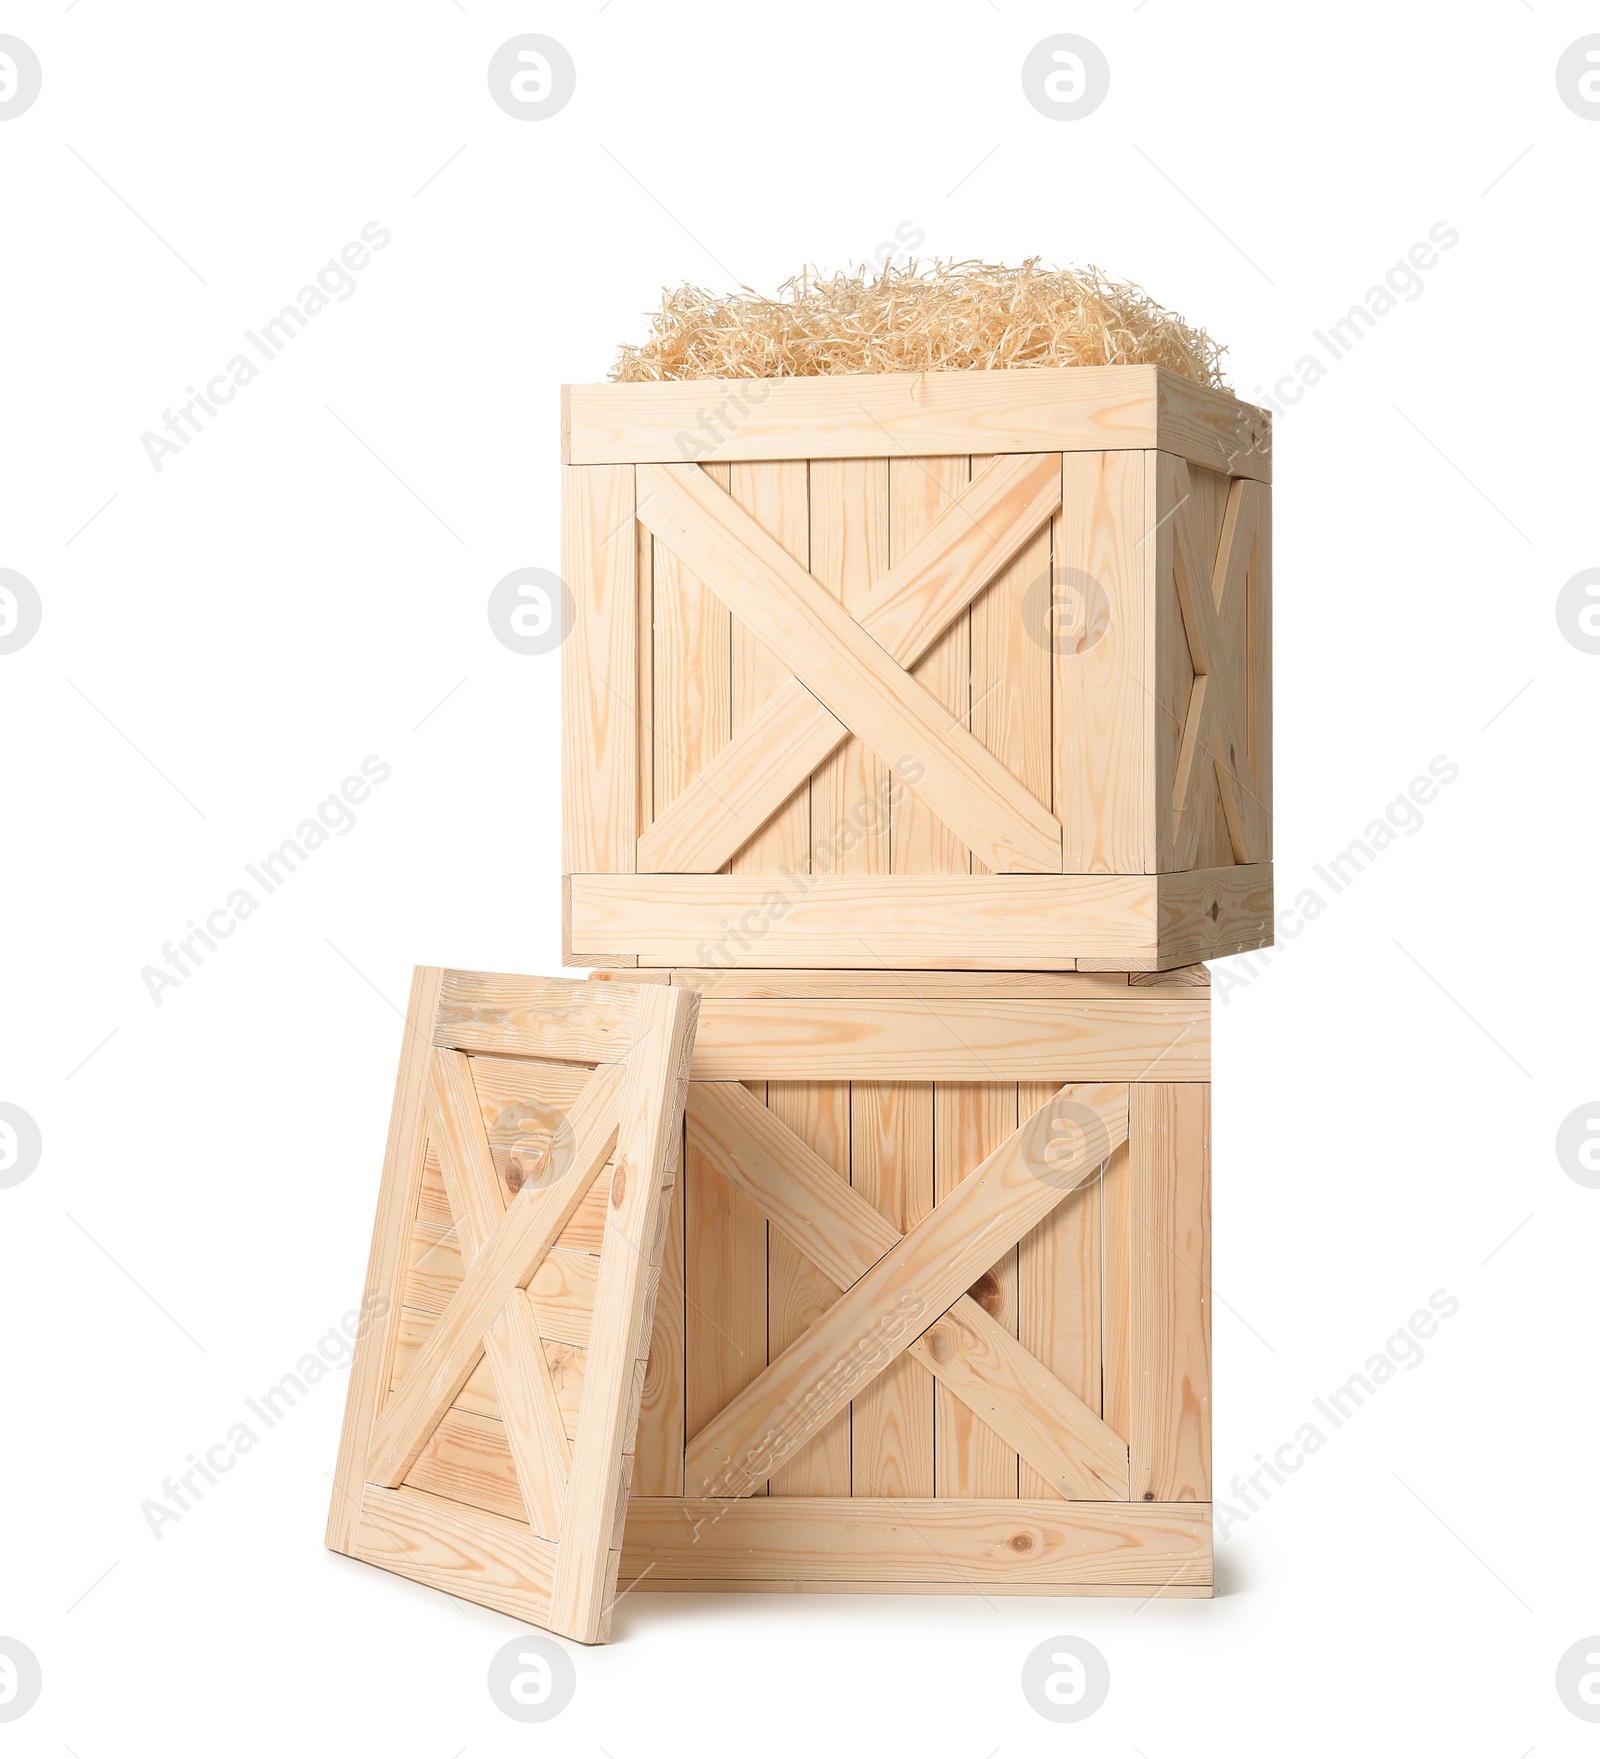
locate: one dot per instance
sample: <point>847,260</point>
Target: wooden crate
<point>961,670</point>
<point>1013,1395</point>
<point>488,1438</point>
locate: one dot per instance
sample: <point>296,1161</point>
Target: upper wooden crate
<point>963,670</point>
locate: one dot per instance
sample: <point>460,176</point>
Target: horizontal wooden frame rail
<point>909,1545</point>
<point>866,415</point>
<point>978,922</point>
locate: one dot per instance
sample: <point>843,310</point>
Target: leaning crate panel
<point>933,1314</point>
<point>961,670</point>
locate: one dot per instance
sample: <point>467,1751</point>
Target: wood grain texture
<point>994,922</point>
<point>774,495</point>
<point>480,1557</point>
<point>372,1363</point>
<point>849,827</point>
<point>871,415</point>
<point>1169,1307</point>
<point>923,494</point>
<point>1108,549</point>
<point>1059,1296</point>
<point>725,1278</point>
<point>835,658</point>
<point>649,1133</point>
<point>525,1233</point>
<point>891,1166</point>
<point>971,1120</point>
<point>798,1292</point>
<point>599,721</point>
<point>909,1038</point>
<point>512,1345</point>
<point>945,550</point>
<point>967,1350</point>
<point>915,1281</point>
<point>933,986</point>
<point>658,1464</point>
<point>977,1543</point>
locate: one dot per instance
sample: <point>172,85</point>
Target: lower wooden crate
<point>891,1353</point>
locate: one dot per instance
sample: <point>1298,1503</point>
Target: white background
<point>306,584</point>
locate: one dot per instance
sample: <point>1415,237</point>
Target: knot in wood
<point>941,1342</point>
<point>986,1292</point>
<point>1020,1543</point>
<point>619,1184</point>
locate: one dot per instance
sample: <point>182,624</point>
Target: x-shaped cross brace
<point>907,1293</point>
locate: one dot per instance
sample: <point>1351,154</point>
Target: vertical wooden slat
<point>648,1137</point>
<point>599,813</point>
<point>1059,1292</point>
<point>725,1290</point>
<point>797,1292</point>
<point>644,673</point>
<point>919,491</point>
<point>1258,677</point>
<point>775,496</point>
<point>970,1120</point>
<point>1011,669</point>
<point>849,550</point>
<point>1117,1369</point>
<point>691,696</point>
<point>658,1467</point>
<point>1169,1308</point>
<point>372,1367</point>
<point>1109,551</point>
<point>891,1165</point>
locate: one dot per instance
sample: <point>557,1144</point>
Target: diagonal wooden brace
<point>855,679</point>
<point>530,1227</point>
<point>905,1291</point>
<point>523,1384</point>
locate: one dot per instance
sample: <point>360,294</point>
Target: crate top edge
<point>861,415</point>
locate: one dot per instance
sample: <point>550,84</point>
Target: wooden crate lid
<point>532,1151</point>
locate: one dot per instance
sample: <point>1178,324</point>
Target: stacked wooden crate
<point>921,725</point>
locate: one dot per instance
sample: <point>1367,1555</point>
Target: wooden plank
<point>725,1270</point>
<point>549,1017</point>
<point>867,986</point>
<point>988,922</point>
<point>915,1281</point>
<point>798,1293</point>
<point>649,1133</point>
<point>1213,429</point>
<point>1169,1307</point>
<point>976,1542</point>
<point>1212,912</point>
<point>971,1120</point>
<point>1010,683</point>
<point>1107,552</point>
<point>1059,1296</point>
<point>938,570</point>
<point>966,1351</point>
<point>466,1459</point>
<point>691,690</point>
<point>1184,977</point>
<point>848,672</point>
<point>528,1230</point>
<point>478,1556</point>
<point>658,1462</point>
<point>891,1166</point>
<point>908,1038</point>
<point>512,1344</point>
<point>774,495</point>
<point>371,1364</point>
<point>849,827</point>
<point>870,415</point>
<point>599,716</point>
<point>925,496</point>
<point>1258,674</point>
